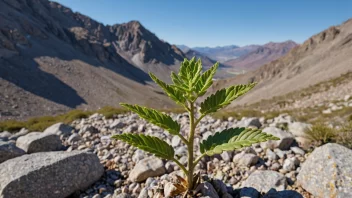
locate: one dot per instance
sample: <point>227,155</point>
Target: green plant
<point>188,85</point>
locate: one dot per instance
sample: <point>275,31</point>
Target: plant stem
<point>198,159</point>
<point>183,139</point>
<point>190,147</point>
<point>181,166</point>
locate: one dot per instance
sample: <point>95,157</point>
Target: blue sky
<point>221,22</point>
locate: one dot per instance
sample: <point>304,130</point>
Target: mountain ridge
<point>54,60</point>
<point>321,57</point>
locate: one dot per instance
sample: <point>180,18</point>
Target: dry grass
<point>321,133</point>
<point>41,123</point>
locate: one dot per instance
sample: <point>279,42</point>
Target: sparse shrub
<point>41,123</point>
<point>321,133</point>
<point>344,136</point>
<point>11,125</point>
<point>188,85</point>
<point>350,118</point>
<point>109,111</point>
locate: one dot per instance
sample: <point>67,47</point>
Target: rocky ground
<point>82,160</point>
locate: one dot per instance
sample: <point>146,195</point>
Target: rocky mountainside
<point>324,56</point>
<point>260,56</point>
<point>53,59</point>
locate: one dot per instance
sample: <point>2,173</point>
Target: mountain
<point>208,62</point>
<point>221,54</point>
<point>184,48</point>
<point>260,56</point>
<point>322,57</point>
<point>53,60</point>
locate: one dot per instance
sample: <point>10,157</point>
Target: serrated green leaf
<point>219,138</point>
<point>178,83</point>
<point>155,117</point>
<point>172,92</point>
<point>149,144</point>
<point>190,72</point>
<point>223,97</point>
<point>232,139</point>
<point>205,80</point>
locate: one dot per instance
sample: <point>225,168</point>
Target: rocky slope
<point>276,168</point>
<point>53,59</point>
<point>322,57</point>
<point>260,56</point>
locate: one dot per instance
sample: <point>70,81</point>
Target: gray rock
<point>74,138</point>
<point>219,186</point>
<point>298,129</point>
<point>206,135</point>
<point>117,124</point>
<point>9,151</point>
<point>144,193</point>
<point>271,155</point>
<point>247,122</point>
<point>207,190</point>
<point>181,151</point>
<point>245,159</point>
<point>285,141</point>
<point>248,192</point>
<point>168,189</point>
<point>327,172</point>
<point>282,194</point>
<point>131,128</point>
<point>88,129</point>
<point>39,142</point>
<point>5,135</point>
<point>148,167</point>
<point>226,156</point>
<point>290,164</point>
<point>59,129</point>
<point>176,141</point>
<point>263,181</point>
<point>297,150</point>
<point>138,155</point>
<point>22,132</point>
<point>280,153</point>
<point>49,174</point>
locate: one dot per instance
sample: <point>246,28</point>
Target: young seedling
<point>188,85</point>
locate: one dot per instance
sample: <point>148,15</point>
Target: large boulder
<point>286,139</point>
<point>327,172</point>
<point>148,167</point>
<point>8,151</point>
<point>49,174</point>
<point>39,142</point>
<point>263,181</point>
<point>59,129</point>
